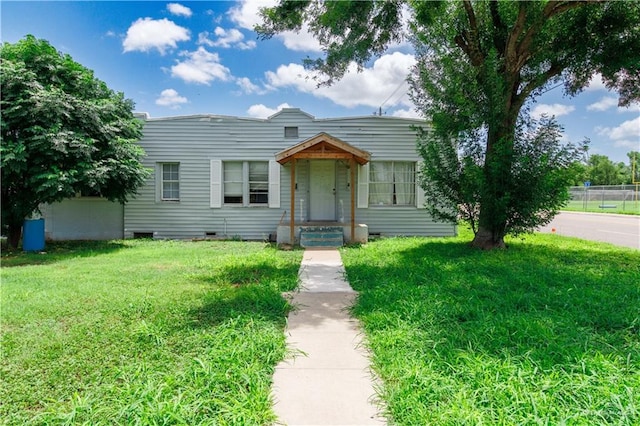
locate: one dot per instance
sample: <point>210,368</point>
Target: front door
<point>322,200</point>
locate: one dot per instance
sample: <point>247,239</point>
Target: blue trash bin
<point>33,235</point>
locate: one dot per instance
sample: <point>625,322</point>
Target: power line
<point>390,96</point>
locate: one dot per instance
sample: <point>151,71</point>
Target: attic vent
<point>290,132</point>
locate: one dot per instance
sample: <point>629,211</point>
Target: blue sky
<point>203,58</point>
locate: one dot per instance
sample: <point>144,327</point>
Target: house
<point>258,179</point>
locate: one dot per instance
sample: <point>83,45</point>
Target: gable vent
<point>290,132</point>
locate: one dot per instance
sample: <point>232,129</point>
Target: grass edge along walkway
<point>328,381</point>
<point>546,332</point>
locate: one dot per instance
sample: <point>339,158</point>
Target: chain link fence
<point>605,198</point>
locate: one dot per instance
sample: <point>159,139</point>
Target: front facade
<point>259,179</point>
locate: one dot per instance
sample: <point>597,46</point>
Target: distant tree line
<point>600,170</point>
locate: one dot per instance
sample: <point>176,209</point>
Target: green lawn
<point>143,332</point>
<point>165,332</point>
<point>544,333</point>
<point>631,207</point>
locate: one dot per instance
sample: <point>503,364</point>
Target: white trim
<point>216,184</point>
<point>363,186</point>
<point>420,198</point>
<point>274,184</point>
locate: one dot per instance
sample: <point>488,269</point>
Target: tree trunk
<point>15,232</point>
<point>487,239</point>
<point>494,202</point>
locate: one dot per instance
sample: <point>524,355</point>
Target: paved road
<point>616,229</point>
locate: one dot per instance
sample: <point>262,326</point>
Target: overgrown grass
<point>544,333</point>
<point>143,332</point>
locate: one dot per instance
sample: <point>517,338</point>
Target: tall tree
<point>63,132</point>
<point>479,63</point>
<point>602,171</point>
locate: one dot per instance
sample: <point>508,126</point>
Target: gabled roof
<point>323,146</point>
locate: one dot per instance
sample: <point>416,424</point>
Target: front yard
<point>166,332</point>
<point>143,332</point>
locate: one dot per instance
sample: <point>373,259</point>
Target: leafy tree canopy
<point>479,64</point>
<point>63,132</point>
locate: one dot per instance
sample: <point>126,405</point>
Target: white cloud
<point>371,87</point>
<point>226,39</point>
<point>247,15</point>
<point>406,113</point>
<point>596,83</point>
<point>301,41</point>
<point>170,98</point>
<point>629,129</point>
<point>556,110</point>
<point>262,111</point>
<point>247,12</point>
<point>603,104</point>
<point>201,67</point>
<point>180,10</point>
<point>248,87</point>
<point>147,34</point>
<point>634,107</point>
<point>626,135</point>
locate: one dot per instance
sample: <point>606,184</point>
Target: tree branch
<point>512,39</point>
<point>498,36</point>
<point>554,70</point>
<point>551,9</point>
<point>469,41</point>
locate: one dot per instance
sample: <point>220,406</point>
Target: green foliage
<point>602,171</point>
<point>535,188</point>
<point>63,132</point>
<point>546,333</point>
<point>478,64</point>
<point>143,332</point>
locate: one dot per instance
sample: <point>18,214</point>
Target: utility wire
<point>390,96</point>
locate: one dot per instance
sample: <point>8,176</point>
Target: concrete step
<point>323,237</point>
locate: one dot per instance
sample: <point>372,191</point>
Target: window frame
<point>248,196</point>
<point>164,181</point>
<point>394,194</point>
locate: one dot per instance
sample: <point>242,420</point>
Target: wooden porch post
<point>352,167</point>
<point>292,233</point>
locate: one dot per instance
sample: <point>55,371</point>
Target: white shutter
<point>274,184</point>
<point>420,200</point>
<point>216,184</point>
<point>363,186</point>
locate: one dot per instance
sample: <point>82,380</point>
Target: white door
<point>322,197</point>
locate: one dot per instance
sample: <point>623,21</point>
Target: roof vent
<point>290,132</point>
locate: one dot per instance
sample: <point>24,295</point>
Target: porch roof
<point>323,147</point>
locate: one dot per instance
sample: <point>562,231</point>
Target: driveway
<point>621,230</point>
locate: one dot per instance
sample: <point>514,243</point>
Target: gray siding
<point>193,141</point>
<point>83,218</point>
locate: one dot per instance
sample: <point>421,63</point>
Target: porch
<point>318,198</point>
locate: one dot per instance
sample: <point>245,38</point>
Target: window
<point>392,183</point>
<point>170,179</point>
<point>258,182</point>
<point>246,182</point>
<point>290,132</point>
<point>233,182</point>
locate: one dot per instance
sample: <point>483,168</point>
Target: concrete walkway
<point>328,381</point>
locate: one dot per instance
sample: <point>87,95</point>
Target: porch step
<point>321,236</point>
